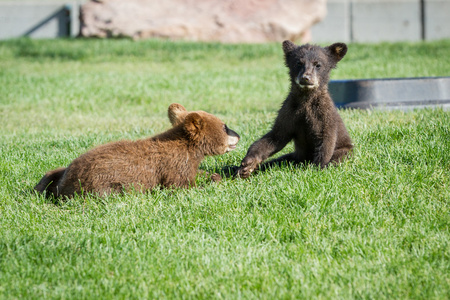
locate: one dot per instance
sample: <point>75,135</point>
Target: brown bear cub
<point>170,159</point>
<point>307,116</point>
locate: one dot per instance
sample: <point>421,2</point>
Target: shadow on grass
<point>230,171</point>
<point>156,192</point>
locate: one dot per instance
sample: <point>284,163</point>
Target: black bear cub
<point>307,116</point>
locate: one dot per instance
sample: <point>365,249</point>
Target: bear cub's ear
<point>337,51</point>
<point>177,113</point>
<point>194,123</point>
<point>288,47</point>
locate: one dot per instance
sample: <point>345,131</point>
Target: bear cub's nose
<point>306,79</point>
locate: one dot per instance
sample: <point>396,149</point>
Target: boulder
<point>227,21</point>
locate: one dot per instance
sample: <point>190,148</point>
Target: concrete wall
<point>384,20</point>
<point>437,16</point>
<point>346,21</point>
<point>39,19</point>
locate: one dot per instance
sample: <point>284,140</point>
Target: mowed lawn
<point>374,227</point>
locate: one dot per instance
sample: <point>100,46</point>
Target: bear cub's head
<point>205,130</point>
<point>310,65</point>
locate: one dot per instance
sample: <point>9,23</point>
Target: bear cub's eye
<point>318,66</point>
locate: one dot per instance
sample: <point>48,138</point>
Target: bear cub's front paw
<point>216,177</point>
<point>248,165</point>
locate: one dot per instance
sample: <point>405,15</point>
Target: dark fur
<point>307,116</point>
<point>170,159</point>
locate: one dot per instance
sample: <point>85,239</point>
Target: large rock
<point>229,21</point>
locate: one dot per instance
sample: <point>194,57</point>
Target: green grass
<point>374,227</point>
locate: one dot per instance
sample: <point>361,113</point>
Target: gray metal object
<point>392,93</point>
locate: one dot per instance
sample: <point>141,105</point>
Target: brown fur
<point>307,116</point>
<point>170,159</point>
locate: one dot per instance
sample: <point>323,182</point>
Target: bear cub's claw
<point>216,177</point>
<point>248,165</point>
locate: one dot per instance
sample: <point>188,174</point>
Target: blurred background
<point>229,21</point>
